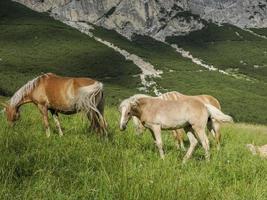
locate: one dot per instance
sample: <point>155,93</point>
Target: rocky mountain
<point>156,18</point>
<point>241,13</point>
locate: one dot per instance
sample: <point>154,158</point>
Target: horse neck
<point>23,95</point>
<point>23,101</point>
<point>137,110</point>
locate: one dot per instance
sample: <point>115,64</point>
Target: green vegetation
<point>260,31</point>
<point>33,43</point>
<point>80,165</point>
<point>227,47</point>
<point>243,99</point>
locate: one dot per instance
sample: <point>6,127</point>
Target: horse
<point>213,125</point>
<point>258,150</point>
<point>157,114</point>
<point>57,94</point>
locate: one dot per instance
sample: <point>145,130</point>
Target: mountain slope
<point>80,165</point>
<point>33,43</point>
<point>37,43</point>
<point>182,75</point>
<point>156,18</point>
<point>228,48</point>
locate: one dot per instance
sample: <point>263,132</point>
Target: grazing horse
<point>157,114</point>
<point>57,94</point>
<point>213,125</point>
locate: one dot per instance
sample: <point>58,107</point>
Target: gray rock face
<point>241,13</point>
<point>156,18</point>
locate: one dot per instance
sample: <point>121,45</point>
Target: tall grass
<point>81,165</point>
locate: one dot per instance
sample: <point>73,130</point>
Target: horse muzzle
<point>11,124</point>
<point>123,127</point>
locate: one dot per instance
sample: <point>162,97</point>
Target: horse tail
<point>218,115</point>
<point>91,101</point>
<point>212,101</point>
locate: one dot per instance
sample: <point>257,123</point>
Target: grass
<point>227,47</point>
<point>260,31</point>
<point>80,165</point>
<point>180,74</point>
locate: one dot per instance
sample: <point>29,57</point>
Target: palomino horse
<point>157,114</point>
<point>258,150</point>
<point>60,95</point>
<point>213,125</point>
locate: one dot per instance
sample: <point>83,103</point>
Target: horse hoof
<point>184,161</point>
<point>183,149</point>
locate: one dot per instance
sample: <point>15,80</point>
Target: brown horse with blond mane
<point>58,94</point>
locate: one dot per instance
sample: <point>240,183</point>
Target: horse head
<point>12,113</point>
<point>126,113</point>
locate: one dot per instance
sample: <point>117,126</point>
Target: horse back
<point>210,100</point>
<point>59,92</point>
<point>185,109</point>
<point>205,99</point>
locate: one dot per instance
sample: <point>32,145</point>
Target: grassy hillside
<point>243,99</point>
<point>229,48</point>
<point>80,165</point>
<point>260,31</point>
<point>33,43</point>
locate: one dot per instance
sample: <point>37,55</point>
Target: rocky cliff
<point>241,13</point>
<point>156,18</point>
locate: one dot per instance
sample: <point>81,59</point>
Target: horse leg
<point>210,128</point>
<point>157,135</point>
<point>204,141</point>
<point>44,111</point>
<point>56,119</point>
<point>102,124</point>
<point>178,136</point>
<point>216,129</point>
<point>175,135</point>
<point>138,126</point>
<point>193,143</point>
<point>92,120</point>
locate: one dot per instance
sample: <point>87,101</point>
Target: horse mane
<point>174,92</point>
<point>25,90</point>
<point>133,99</point>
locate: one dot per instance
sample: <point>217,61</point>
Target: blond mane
<point>25,90</point>
<point>133,99</point>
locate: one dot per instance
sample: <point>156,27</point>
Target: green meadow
<point>82,165</point>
